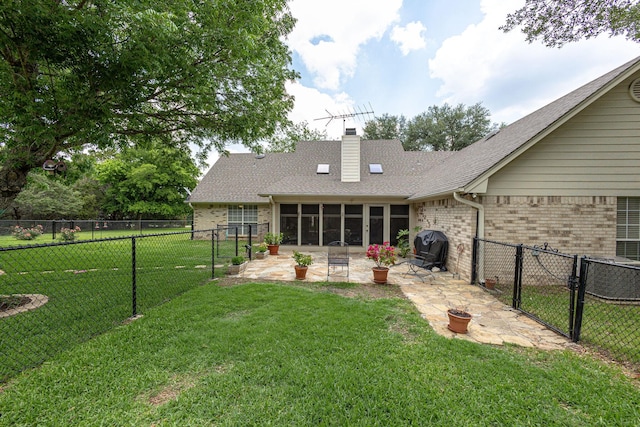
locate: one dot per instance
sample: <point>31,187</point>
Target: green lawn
<point>6,241</point>
<point>90,289</point>
<point>275,354</point>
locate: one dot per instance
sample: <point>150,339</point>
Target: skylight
<point>375,168</point>
<point>323,168</point>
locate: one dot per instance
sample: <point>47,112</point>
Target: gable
<point>595,153</point>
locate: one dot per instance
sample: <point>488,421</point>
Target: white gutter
<point>479,207</point>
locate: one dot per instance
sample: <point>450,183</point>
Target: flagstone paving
<point>493,322</point>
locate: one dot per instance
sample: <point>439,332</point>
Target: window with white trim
<point>628,228</point>
<point>242,216</point>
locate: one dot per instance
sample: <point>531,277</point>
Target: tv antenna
<point>356,112</point>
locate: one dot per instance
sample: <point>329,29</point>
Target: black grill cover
<point>433,246</point>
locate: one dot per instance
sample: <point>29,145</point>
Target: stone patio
<point>493,322</point>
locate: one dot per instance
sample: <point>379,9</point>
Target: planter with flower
<point>261,250</point>
<point>303,262</point>
<point>273,241</point>
<point>383,255</point>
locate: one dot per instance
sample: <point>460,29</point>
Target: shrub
<point>237,260</point>
<point>68,234</point>
<point>403,242</point>
<point>21,233</point>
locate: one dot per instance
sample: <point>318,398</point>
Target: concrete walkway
<point>493,322</point>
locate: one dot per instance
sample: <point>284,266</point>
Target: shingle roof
<point>470,163</point>
<point>244,178</point>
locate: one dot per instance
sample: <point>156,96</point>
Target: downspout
<point>479,274</point>
<point>273,213</point>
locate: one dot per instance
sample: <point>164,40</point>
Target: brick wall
<point>573,225</point>
<point>208,216</point>
<point>458,223</point>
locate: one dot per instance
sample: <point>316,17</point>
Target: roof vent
<point>350,131</point>
<point>323,168</point>
<point>634,90</point>
<point>260,156</point>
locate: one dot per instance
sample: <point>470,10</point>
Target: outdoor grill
<point>433,246</point>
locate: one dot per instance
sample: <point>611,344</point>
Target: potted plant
<point>303,261</point>
<point>490,283</point>
<point>403,242</point>
<point>459,319</point>
<point>237,266</point>
<point>273,241</point>
<point>383,255</point>
<point>261,250</point>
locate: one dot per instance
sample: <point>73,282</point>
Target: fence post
<point>134,290</point>
<point>53,229</point>
<point>249,243</point>
<point>517,278</point>
<point>572,284</point>
<point>237,241</point>
<point>474,260</point>
<point>213,254</point>
<point>582,287</point>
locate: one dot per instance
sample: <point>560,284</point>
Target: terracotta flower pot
<point>273,249</point>
<point>301,272</point>
<point>380,275</point>
<point>490,283</point>
<point>458,321</point>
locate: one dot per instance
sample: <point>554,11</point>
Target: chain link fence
<point>53,296</point>
<point>97,229</point>
<point>611,308</point>
<point>592,301</point>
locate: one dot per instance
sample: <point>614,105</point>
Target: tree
<point>150,181</point>
<point>562,21</point>
<point>448,128</point>
<point>285,140</point>
<point>47,198</point>
<point>102,73</point>
<point>386,127</point>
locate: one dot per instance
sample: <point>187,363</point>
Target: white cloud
<point>511,77</point>
<point>329,34</point>
<point>313,106</point>
<point>410,37</point>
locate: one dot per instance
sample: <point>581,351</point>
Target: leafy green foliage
<point>47,198</point>
<point>444,128</point>
<point>562,21</point>
<point>448,128</point>
<point>386,127</point>
<point>105,74</point>
<point>151,181</point>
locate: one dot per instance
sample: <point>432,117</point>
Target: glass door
<point>376,224</point>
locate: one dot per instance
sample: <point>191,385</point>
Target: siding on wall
<point>596,153</point>
<point>350,156</point>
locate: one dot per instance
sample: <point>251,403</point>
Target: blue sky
<point>400,57</point>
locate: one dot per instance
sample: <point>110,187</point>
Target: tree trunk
<point>12,182</point>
